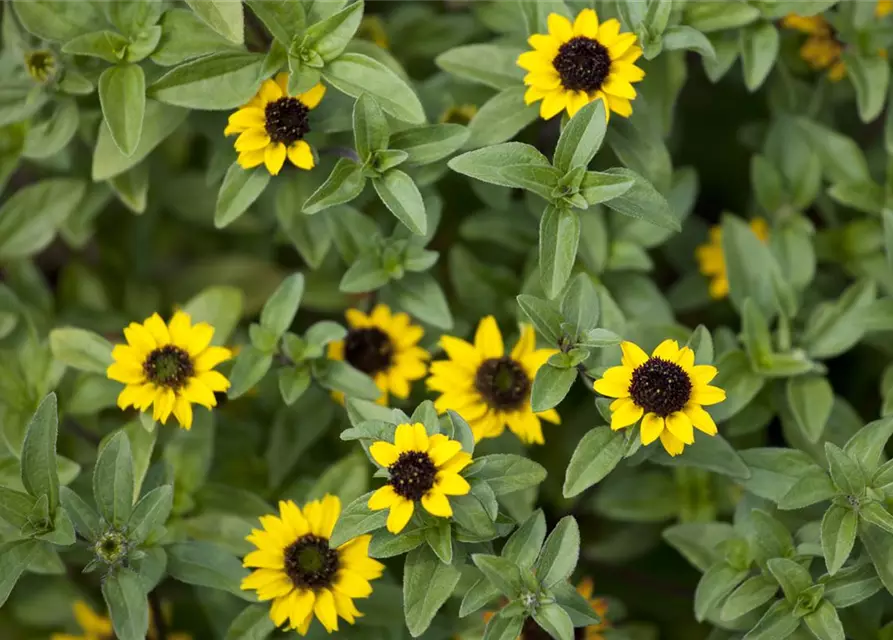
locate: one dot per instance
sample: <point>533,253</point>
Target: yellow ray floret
<point>666,391</point>
<point>712,260</point>
<point>576,63</point>
<point>421,468</point>
<point>169,366</point>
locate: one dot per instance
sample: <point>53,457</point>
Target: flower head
<point>883,8</point>
<point>272,126</point>
<point>577,63</point>
<point>712,260</point>
<point>383,345</point>
<point>421,468</point>
<point>297,569</point>
<point>821,50</point>
<point>666,390</point>
<point>169,366</point>
<point>40,64</point>
<point>97,627</point>
<point>489,387</point>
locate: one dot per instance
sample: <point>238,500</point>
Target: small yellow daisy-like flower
<point>666,390</point>
<point>170,366</point>
<point>272,126</point>
<point>383,345</point>
<point>822,50</point>
<point>304,577</point>
<point>422,468</point>
<point>577,63</point>
<point>96,627</point>
<point>460,113</point>
<point>883,8</point>
<point>712,260</point>
<point>40,64</point>
<point>490,388</point>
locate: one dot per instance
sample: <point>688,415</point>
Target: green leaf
<point>280,309</point>
<point>81,349</point>
<point>777,622</point>
<point>16,507</point>
<point>845,472</point>
<point>750,265</point>
<point>345,183</point>
<point>867,445</point>
<point>240,188</point>
<point>122,94</point>
<point>439,538</point>
<point>810,399</point>
<point>355,74</point>
<point>523,546</point>
<point>30,217</point>
<point>834,327</point>
<point>544,316</point>
<point>15,557</point>
<point>539,180</point>
<point>357,519</point>
<point>824,623</point>
<point>113,480</point>
<point>492,65</point>
<point>219,306</point>
<point>253,623</point>
<point>580,305</point>
<point>206,565</point>
<point>550,386</point>
<point>793,578</point>
<point>338,375</point>
<point>56,20</point>
<point>501,572</point>
<point>427,583</point>
<point>809,489</point>
<point>134,17</point>
<point>596,455</point>
<point>876,514</point>
<point>127,605</point>
<point>505,625</point>
<point>711,453</point>
<point>216,82</point>
<point>420,295</point>
<point>759,49</point>
<point>84,517</point>
<point>701,543</point>
<point>250,367</point>
<point>555,621</point>
<point>224,16</point>
<point>501,117</point>
<point>39,475</point>
<point>401,195</point>
<point>370,127</point>
<point>184,37</point>
<point>683,37</point>
<point>429,143</point>
<point>716,583</point>
<point>749,595</point>
<point>598,187</point>
<point>560,553</point>
<point>559,237</point>
<point>709,17</point>
<point>581,138</point>
<point>108,45</point>
<point>852,585</point>
<point>507,473</point>
<point>842,158</point>
<point>481,593</point>
<point>871,77</point>
<point>642,201</point>
<point>283,18</point>
<point>150,512</point>
<point>331,36</point>
<point>486,164</point>
<point>838,535</point>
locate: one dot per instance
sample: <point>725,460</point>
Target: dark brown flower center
<point>286,120</point>
<point>412,476</point>
<point>660,386</point>
<point>503,383</point>
<point>310,563</point>
<point>370,350</point>
<point>582,64</point>
<point>169,366</point>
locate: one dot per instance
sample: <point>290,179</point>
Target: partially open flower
<point>40,64</point>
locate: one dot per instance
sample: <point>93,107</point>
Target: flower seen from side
<point>489,387</point>
<point>40,64</point>
<point>666,391</point>
<point>421,468</point>
<point>383,345</point>
<point>576,63</point>
<point>170,366</point>
<point>296,568</point>
<point>272,126</point>
<point>712,260</point>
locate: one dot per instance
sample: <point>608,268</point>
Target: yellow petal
<point>384,453</point>
<point>155,325</point>
<point>616,86</point>
<point>265,559</point>
<point>274,157</point>
<point>550,415</point>
<point>139,338</point>
<point>252,140</point>
<point>300,155</point>
<point>461,352</point>
<point>621,45</point>
<point>312,97</point>
<point>613,388</point>
<point>553,104</point>
<point>633,356</point>
<point>707,395</point>
<point>211,357</point>
<point>325,611</point>
<point>456,463</point>
<point>200,338</point>
<point>671,443</point>
<point>441,453</point>
<point>331,509</point>
<point>126,373</point>
<point>652,427</point>
<point>183,412</point>
<point>535,93</point>
<point>345,606</point>
<point>621,106</point>
<point>452,484</point>
<point>535,61</point>
<point>301,607</point>
<point>526,343</point>
<point>214,380</point>
<point>545,80</point>
<point>437,504</point>
<point>164,405</point>
<point>624,412</point>
<point>488,339</point>
<point>199,393</point>
<point>544,43</point>
<point>686,359</point>
<point>352,584</point>
<point>401,512</point>
<point>560,27</point>
<point>703,374</point>
<point>667,350</point>
<point>702,420</point>
<point>291,516</point>
<point>524,424</point>
<point>627,71</point>
<point>608,32</point>
<point>269,92</point>
<point>383,498</point>
<point>680,426</point>
<point>576,100</point>
<point>586,24</point>
<point>251,159</point>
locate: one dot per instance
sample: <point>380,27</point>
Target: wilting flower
<point>272,126</point>
<point>421,468</point>
<point>384,346</point>
<point>489,387</point>
<point>40,64</point>
<point>577,63</point>
<point>666,391</point>
<point>712,259</point>
<point>297,569</point>
<point>169,366</point>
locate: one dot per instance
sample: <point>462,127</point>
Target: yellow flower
<point>883,8</point>
<point>383,345</point>
<point>96,627</point>
<point>668,389</point>
<point>170,366</point>
<point>577,63</point>
<point>489,388</point>
<point>463,113</point>
<point>40,64</point>
<point>421,468</point>
<point>372,29</point>
<point>712,261</point>
<point>272,125</point>
<point>822,50</point>
<point>297,569</point>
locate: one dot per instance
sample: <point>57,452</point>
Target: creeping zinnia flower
<point>169,366</point>
<point>489,387</point>
<point>272,126</point>
<point>383,345</point>
<point>822,50</point>
<point>421,468</point>
<point>577,63</point>
<point>666,390</point>
<point>297,569</point>
<point>712,259</point>
<point>883,8</point>
<point>40,64</point>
